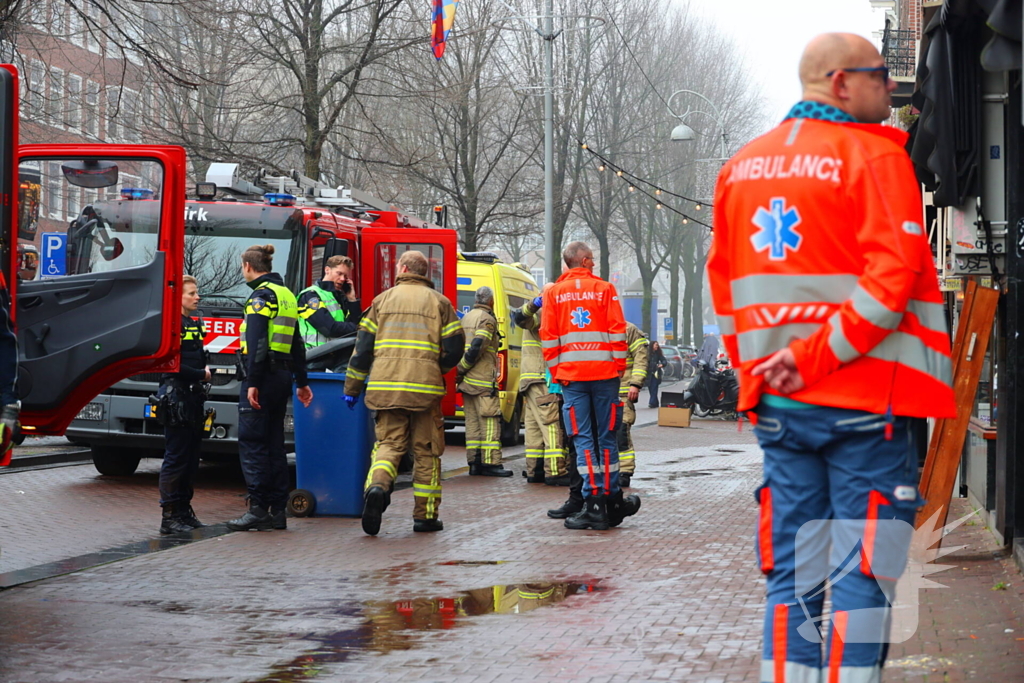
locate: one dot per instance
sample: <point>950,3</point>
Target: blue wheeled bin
<point>332,451</point>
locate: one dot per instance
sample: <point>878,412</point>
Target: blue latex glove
<point>351,401</point>
<point>538,302</point>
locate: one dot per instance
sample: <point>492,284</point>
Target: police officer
<point>408,339</point>
<point>476,376</point>
<point>629,393</point>
<point>182,414</point>
<point>329,308</point>
<point>272,354</point>
<point>545,457</point>
<point>9,424</point>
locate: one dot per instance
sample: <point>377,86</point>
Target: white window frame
<point>91,109</point>
<point>55,102</point>
<point>92,37</point>
<point>73,117</point>
<point>112,108</point>
<point>52,175</point>
<point>36,93</point>
<point>58,18</point>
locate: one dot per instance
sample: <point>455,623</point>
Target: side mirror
<point>90,173</point>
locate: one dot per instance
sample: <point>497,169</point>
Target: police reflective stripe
<point>932,316</point>
<point>450,328</point>
<point>413,387</point>
<point>406,344</point>
<point>789,289</point>
<point>837,341</point>
<point>793,672</point>
<point>906,349</point>
<point>767,340</point>
<point>874,311</point>
<point>368,325</point>
<point>727,324</point>
<point>283,317</point>
<point>310,336</point>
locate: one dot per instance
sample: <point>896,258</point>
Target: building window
<point>76,28</point>
<point>92,36</point>
<point>58,17</point>
<point>113,112</point>
<point>91,112</point>
<point>538,276</point>
<point>54,198</point>
<point>74,201</point>
<point>74,111</point>
<point>36,88</point>
<point>55,104</point>
<point>130,129</point>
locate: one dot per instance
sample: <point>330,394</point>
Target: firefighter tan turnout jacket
<point>410,338</point>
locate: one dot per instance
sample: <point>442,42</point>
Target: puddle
<point>391,626</point>
<point>722,449</point>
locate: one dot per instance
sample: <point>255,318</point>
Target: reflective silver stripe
<point>550,343</point>
<point>599,469</point>
<point>874,311</point>
<point>767,340</point>
<point>617,337</point>
<point>858,674</point>
<point>932,316</point>
<point>726,324</point>
<point>577,356</point>
<point>908,350</point>
<point>794,673</point>
<point>581,337</point>
<point>838,342</point>
<point>619,354</point>
<point>791,289</point>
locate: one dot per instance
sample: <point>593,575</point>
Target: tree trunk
<point>686,323</point>
<point>673,306</point>
<point>645,307</point>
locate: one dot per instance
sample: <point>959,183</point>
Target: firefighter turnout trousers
<point>592,417</point>
<point>483,428</point>
<point>838,500</point>
<point>624,437</point>
<point>543,434</point>
<point>421,432</point>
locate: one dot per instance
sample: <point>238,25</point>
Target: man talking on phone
<point>330,308</point>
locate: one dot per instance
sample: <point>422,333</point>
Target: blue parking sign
<point>668,324</point>
<point>53,261</point>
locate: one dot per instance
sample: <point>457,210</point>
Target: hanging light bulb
<point>657,191</point>
<point>658,205</point>
<point>697,207</point>
<point>632,189</point>
<point>601,167</point>
<point>584,146</point>
<point>618,173</point>
<point>685,221</point>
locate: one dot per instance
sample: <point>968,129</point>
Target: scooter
<point>713,392</point>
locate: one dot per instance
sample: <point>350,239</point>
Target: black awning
<point>1003,51</point>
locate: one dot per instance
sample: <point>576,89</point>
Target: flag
<point>442,18</point>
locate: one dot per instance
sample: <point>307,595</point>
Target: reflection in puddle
<point>390,626</point>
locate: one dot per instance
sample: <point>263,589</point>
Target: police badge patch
<point>313,303</point>
<point>258,305</point>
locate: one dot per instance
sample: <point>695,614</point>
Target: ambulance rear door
<point>101,298</point>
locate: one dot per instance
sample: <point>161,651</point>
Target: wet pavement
<point>503,594</point>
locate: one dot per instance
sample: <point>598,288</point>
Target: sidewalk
<point>503,594</point>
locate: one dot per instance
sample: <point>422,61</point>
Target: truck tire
<point>511,430</point>
<point>115,462</point>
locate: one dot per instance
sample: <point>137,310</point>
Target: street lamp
<point>683,132</point>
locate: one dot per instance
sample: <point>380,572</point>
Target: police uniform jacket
<point>408,339</point>
<point>314,311</point>
<point>259,311</point>
<point>193,355</point>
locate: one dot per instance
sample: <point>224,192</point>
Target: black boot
<point>188,516</point>
<point>557,481</point>
<point>474,463</point>
<point>170,523</point>
<point>593,516</point>
<point>427,525</point>
<point>536,478</point>
<point>375,501</point>
<point>624,480</point>
<point>279,519</point>
<point>569,508</point>
<point>494,471</point>
<point>620,507</point>
<point>256,519</point>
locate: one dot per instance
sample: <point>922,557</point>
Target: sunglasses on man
<point>884,70</point>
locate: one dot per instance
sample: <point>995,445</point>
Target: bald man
<point>826,295</point>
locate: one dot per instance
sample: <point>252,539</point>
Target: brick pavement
<point>678,596</point>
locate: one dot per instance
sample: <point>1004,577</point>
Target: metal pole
<point>550,257</point>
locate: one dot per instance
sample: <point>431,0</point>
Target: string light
<point>658,191</point>
<point>601,167</point>
<point>637,180</point>
<point>658,205</point>
<point>685,221</point>
<point>585,146</point>
<point>697,208</point>
<point>619,173</point>
<point>632,189</point>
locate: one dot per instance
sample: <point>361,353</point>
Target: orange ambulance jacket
<point>819,245</point>
<point>583,331</point>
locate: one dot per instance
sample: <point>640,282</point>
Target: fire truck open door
<point>103,300</point>
<point>381,249</point>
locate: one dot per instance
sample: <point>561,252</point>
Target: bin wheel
<point>301,503</point>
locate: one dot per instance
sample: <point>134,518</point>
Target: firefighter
<point>272,354</point>
<point>410,337</point>
<point>629,393</point>
<point>329,309</point>
<point>839,337</point>
<point>476,377</point>
<point>583,334</point>
<point>9,425</point>
<point>545,458</point>
<point>182,414</point>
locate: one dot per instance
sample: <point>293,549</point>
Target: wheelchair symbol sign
<point>54,257</point>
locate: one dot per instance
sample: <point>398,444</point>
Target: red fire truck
<point>307,222</point>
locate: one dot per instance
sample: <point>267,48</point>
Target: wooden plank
<point>947,443</point>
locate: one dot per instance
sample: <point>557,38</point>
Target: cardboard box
<point>671,414</point>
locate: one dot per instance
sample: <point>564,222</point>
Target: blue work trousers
<point>837,508</point>
<point>593,413</point>
<point>261,441</point>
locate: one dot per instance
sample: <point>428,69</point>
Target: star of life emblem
<point>580,317</point>
<point>778,229</point>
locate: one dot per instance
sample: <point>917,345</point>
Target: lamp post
<point>683,132</point>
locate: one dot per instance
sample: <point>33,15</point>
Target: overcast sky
<point>772,34</point>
